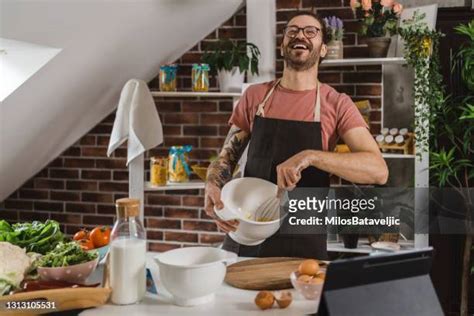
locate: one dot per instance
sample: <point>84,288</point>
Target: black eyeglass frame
<point>294,27</point>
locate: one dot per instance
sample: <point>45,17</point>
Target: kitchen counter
<point>228,301</point>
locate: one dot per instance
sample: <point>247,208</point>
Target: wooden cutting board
<point>263,273</point>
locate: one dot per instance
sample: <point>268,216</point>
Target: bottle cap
<point>127,207</point>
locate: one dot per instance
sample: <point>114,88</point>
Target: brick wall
<point>79,187</point>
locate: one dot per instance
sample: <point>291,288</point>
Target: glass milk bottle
<point>127,254</point>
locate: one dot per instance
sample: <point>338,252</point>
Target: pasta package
<point>178,164</point>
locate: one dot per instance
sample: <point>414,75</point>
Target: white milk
<point>127,270</point>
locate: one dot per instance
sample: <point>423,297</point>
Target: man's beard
<point>297,64</point>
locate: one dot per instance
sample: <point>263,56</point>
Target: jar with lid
<point>158,171</point>
<point>168,77</point>
<point>200,77</point>
<point>127,254</point>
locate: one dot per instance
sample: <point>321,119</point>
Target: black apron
<point>272,142</point>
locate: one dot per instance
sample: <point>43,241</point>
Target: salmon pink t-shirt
<point>338,113</point>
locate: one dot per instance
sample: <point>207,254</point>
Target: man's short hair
<point>324,32</point>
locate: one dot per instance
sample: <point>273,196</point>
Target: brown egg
<point>317,280</point>
<point>283,299</point>
<point>305,278</point>
<point>264,299</point>
<point>309,267</point>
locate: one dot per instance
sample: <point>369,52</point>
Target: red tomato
<point>100,236</point>
<point>82,234</point>
<point>86,244</point>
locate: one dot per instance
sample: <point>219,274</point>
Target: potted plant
<point>335,30</point>
<point>231,59</point>
<point>379,18</point>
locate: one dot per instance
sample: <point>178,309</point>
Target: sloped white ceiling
<point>103,44</point>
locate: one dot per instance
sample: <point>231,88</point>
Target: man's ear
<point>324,50</point>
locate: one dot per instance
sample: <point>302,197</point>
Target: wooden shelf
<point>364,247</point>
<point>364,61</point>
<point>190,94</point>
<point>397,156</point>
<point>191,185</point>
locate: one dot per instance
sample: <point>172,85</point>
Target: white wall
<point>104,43</point>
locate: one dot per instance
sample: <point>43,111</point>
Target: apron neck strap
<point>317,105</point>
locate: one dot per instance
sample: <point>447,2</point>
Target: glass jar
<point>158,171</point>
<point>178,163</point>
<point>200,77</point>
<point>168,77</point>
<point>127,254</point>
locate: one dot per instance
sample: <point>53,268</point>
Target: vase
<point>378,46</point>
<point>335,50</point>
<point>350,240</point>
<point>230,81</point>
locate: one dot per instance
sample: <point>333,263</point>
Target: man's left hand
<point>289,172</point>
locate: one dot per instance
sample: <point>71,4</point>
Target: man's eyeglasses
<point>308,31</point>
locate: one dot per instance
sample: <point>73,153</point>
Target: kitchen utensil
<point>193,274</point>
<point>263,273</point>
<point>77,273</point>
<point>310,291</point>
<point>241,198</point>
<point>270,209</point>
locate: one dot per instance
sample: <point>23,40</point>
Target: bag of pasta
<point>178,164</point>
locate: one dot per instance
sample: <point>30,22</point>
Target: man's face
<point>301,53</point>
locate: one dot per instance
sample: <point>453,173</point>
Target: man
<point>292,125</point>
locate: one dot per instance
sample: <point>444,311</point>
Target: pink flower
<point>354,4</point>
<point>366,4</point>
<point>397,8</point>
<point>387,3</point>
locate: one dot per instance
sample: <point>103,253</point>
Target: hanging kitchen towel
<point>136,120</point>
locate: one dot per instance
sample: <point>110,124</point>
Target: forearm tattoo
<point>220,170</point>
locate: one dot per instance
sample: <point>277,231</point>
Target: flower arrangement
<point>379,16</point>
<point>335,28</point>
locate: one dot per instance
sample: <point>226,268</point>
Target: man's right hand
<point>213,198</point>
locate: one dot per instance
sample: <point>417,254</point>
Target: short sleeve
<point>348,116</point>
<point>241,115</point>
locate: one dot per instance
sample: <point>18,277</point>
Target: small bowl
<point>77,273</point>
<point>102,251</point>
<point>309,291</point>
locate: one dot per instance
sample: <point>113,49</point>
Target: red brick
<point>154,235</point>
<point>199,106</point>
<point>359,77</point>
<point>221,119</point>
<point>163,200</point>
<point>181,213</point>
<point>200,130</point>
<point>72,151</point>
<point>120,175</point>
<point>349,39</point>
<point>82,185</point>
<point>80,208</point>
<point>103,140</point>
<point>188,118</point>
<point>163,223</point>
<point>375,128</point>
<point>183,237</point>
<point>240,20</point>
<point>120,152</point>
<point>181,141</point>
<point>211,238</point>
<point>120,196</point>
<point>203,215</point>
<point>284,16</point>
<point>64,173</point>
<point>163,106</point>
<point>95,174</point>
<point>113,187</point>
<point>226,106</point>
<point>161,247</point>
<point>49,206</point>
<point>356,52</point>
<point>18,204</point>
<point>48,184</point>
<point>25,216</point>
<point>233,33</point>
<point>191,58</point>
<point>215,142</point>
<point>329,77</point>
<point>87,140</point>
<point>79,163</point>
<point>58,163</point>
<point>199,225</point>
<point>9,215</point>
<point>34,194</point>
<point>171,130</point>
<point>66,218</point>
<point>351,27</point>
<point>98,220</point>
<point>288,4</point>
<point>111,163</point>
<point>109,119</point>
<point>65,196</point>
<point>153,211</point>
<point>344,88</point>
<point>106,209</point>
<point>368,90</point>
<point>224,130</point>
<point>193,201</point>
<point>97,197</point>
<point>202,154</point>
<point>102,129</point>
<point>375,116</point>
<point>94,151</point>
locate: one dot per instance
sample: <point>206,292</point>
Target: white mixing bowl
<point>241,198</point>
<point>193,274</point>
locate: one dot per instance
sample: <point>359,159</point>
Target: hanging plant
<point>427,87</point>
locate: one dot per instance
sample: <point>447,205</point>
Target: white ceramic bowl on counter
<point>193,274</point>
<point>241,198</point>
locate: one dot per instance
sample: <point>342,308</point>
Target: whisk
<point>269,210</point>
